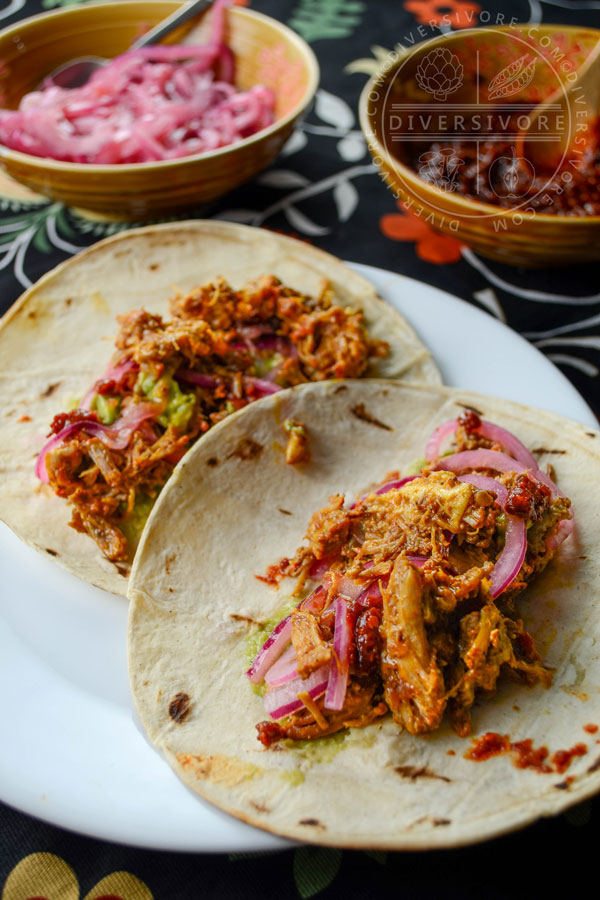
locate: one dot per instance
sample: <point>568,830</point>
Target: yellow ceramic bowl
<point>422,81</point>
<point>266,52</point>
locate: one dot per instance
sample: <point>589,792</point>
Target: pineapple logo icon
<point>440,73</point>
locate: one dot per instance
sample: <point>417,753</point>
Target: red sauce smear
<point>591,728</point>
<point>562,759</point>
<point>525,755</point>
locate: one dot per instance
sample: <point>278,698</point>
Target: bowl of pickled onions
<point>155,130</point>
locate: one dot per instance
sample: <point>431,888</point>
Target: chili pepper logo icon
<point>514,77</point>
<point>511,177</point>
<point>440,167</point>
<point>440,73</point>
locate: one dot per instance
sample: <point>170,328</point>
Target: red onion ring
<point>509,562</point>
<point>487,430</point>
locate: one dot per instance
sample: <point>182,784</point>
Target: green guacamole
<point>133,525</point>
<point>179,406</point>
<point>107,408</point>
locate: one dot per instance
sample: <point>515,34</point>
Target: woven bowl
<point>400,86</point>
<point>265,52</point>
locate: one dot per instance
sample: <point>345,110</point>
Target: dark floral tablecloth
<point>324,189</point>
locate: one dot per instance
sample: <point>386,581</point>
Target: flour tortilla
<point>58,338</point>
<point>225,517</point>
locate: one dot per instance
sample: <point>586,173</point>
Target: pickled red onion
<point>487,430</point>
<point>283,700</point>
<point>283,669</point>
<point>339,669</point>
<point>510,560</point>
<point>270,650</point>
<point>115,436</point>
<point>152,104</point>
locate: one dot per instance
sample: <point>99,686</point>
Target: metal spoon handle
<point>181,15</point>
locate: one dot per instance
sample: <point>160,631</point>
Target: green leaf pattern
<point>314,869</point>
<point>316,19</point>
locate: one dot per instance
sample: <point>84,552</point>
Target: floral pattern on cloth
<point>453,13</point>
<point>430,246</point>
<point>44,876</point>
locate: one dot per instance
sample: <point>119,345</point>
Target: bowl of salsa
<point>451,124</point>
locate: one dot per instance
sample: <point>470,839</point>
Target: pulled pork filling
<point>415,609</point>
<point>170,381</point>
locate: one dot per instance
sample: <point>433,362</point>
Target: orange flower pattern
<point>457,13</point>
<point>430,246</point>
<point>44,876</point>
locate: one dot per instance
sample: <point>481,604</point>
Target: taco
<point>409,618</point>
<point>116,361</point>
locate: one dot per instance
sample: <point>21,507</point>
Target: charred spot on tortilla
<point>313,822</point>
<point>179,707</point>
<point>595,766</point>
<point>154,267</point>
<point>540,450</point>
<point>591,434</point>
<point>341,388</point>
<point>285,512</point>
<point>124,572</point>
<point>169,560</point>
<point>469,408</point>
<point>360,412</point>
<point>237,617</point>
<point>212,461</point>
<point>415,772</point>
<point>564,785</point>
<point>50,390</point>
<point>247,449</point>
<point>260,807</point>
<point>52,552</point>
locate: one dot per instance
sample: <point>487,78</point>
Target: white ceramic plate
<point>71,752</point>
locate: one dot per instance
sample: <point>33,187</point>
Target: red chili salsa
<point>491,171</point>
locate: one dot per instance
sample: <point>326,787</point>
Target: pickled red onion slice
<point>487,430</point>
<point>394,485</point>
<point>283,669</point>
<point>197,378</point>
<point>283,700</point>
<point>270,650</point>
<point>509,562</point>
<point>115,436</point>
<point>485,483</point>
<point>340,666</point>
<point>280,637</point>
<point>508,565</point>
<point>483,459</point>
<point>262,385</point>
